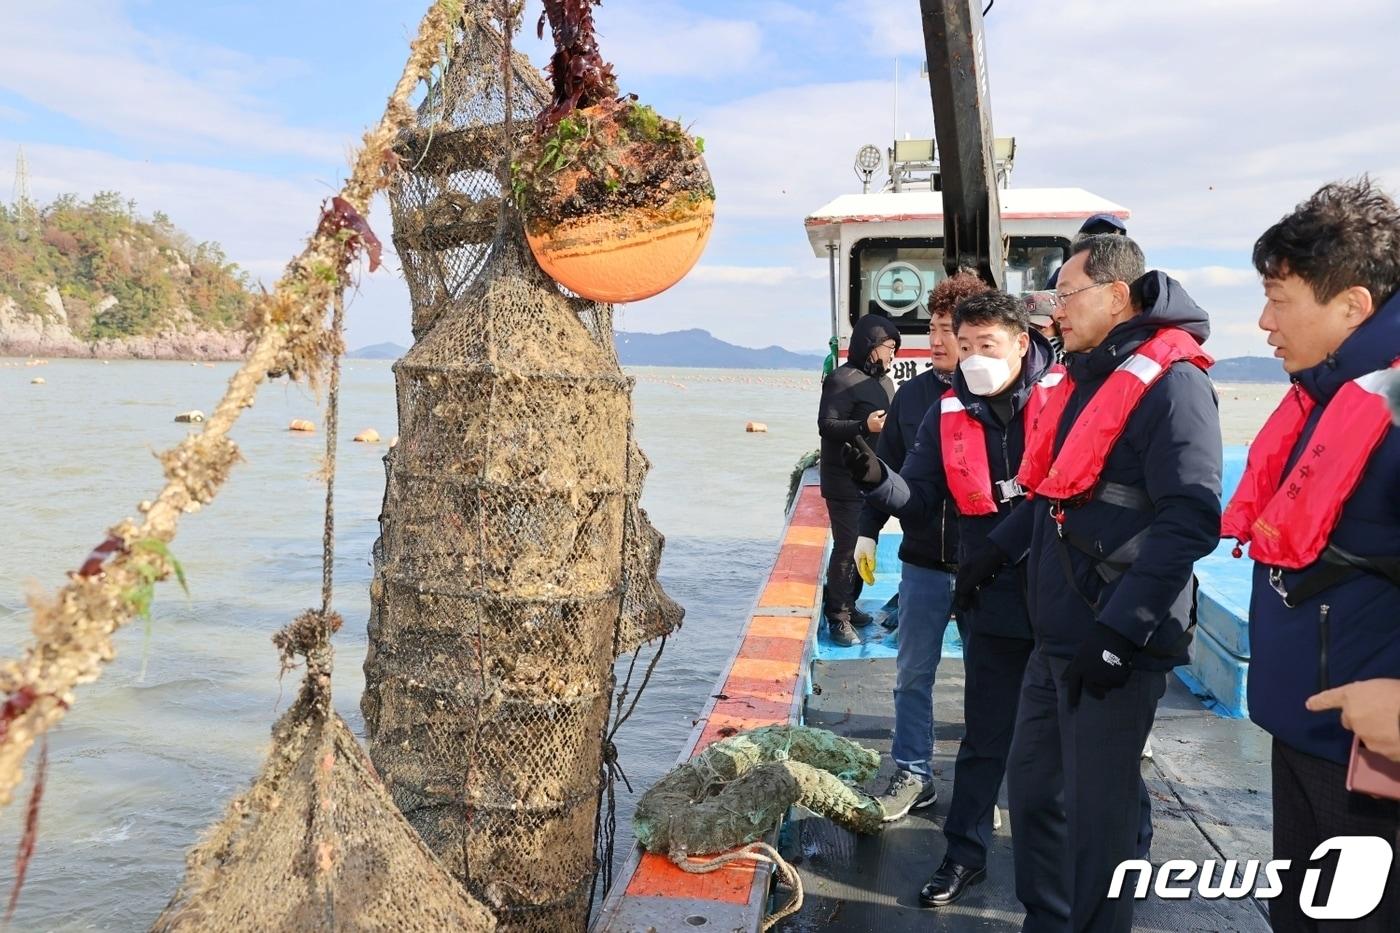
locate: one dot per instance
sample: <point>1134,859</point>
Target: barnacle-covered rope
<point>73,628</point>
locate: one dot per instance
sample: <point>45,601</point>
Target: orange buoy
<point>617,200</point>
<point>628,256</point>
<point>301,424</point>
<point>756,427</point>
<point>367,436</point>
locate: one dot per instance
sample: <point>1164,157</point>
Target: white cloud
<point>1180,110</point>
<point>752,275</point>
<point>664,39</point>
<point>886,29</point>
<point>787,14</point>
<point>1214,276</point>
<point>781,154</point>
<point>1208,121</point>
<point>84,59</point>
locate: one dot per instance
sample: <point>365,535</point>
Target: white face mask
<point>984,375</point>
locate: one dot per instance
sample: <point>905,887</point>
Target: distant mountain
<point>678,348</point>
<point>379,351</point>
<point>699,348</point>
<point>1248,369</point>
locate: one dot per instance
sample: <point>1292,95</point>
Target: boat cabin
<point>885,248</point>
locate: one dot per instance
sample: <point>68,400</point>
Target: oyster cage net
<point>316,844</point>
<point>514,562</point>
<point>447,202</point>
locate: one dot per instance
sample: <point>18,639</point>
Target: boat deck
<point>1208,779</point>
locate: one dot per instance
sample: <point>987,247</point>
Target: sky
<point>1208,120</point>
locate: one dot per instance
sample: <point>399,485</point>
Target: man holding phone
<point>1319,508</point>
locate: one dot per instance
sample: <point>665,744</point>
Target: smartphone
<point>1372,773</point>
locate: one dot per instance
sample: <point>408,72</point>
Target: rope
<point>762,853</point>
<point>73,629</point>
<point>332,428</point>
<point>605,819</point>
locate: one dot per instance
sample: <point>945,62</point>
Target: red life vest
<point>1077,467</point>
<point>1287,521</point>
<point>964,443</point>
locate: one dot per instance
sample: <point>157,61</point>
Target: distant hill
<point>102,271</point>
<point>695,348</point>
<point>700,348</point>
<point>94,278</point>
<point>1248,369</point>
<point>378,351</point>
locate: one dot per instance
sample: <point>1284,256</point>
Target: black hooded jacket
<point>1171,450</point>
<point>849,395</point>
<point>919,489</point>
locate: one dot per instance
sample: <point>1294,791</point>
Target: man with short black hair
<point>1319,507</point>
<point>968,450</point>
<point>1124,464</point>
<point>928,555</point>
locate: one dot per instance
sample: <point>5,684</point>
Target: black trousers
<point>994,667</point>
<point>1078,803</point>
<point>1312,805</point>
<point>843,584</point>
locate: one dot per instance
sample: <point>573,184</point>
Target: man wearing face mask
<point>928,554</point>
<point>969,449</point>
<point>853,403</point>
<point>1124,465</point>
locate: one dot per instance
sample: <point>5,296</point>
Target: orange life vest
<point>1288,520</point>
<point>1077,467</point>
<point>964,443</point>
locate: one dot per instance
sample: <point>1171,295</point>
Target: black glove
<point>1103,663</point>
<point>865,468</point>
<point>976,571</point>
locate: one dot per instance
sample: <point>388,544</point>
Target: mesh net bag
<point>316,843</point>
<point>514,562</point>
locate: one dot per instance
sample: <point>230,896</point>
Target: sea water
<point>179,721</point>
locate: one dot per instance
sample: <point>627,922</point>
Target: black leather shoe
<point>949,883</point>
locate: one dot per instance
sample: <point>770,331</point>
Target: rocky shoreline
<point>26,335</point>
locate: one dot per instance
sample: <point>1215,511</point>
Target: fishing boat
<point>1208,770</point>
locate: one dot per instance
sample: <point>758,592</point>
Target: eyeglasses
<point>1059,300</point>
<point>888,345</point>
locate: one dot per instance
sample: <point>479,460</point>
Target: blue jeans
<point>925,603</point>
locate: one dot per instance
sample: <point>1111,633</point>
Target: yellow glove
<point>865,559</point>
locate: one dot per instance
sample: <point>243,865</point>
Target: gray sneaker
<point>907,791</point>
<point>842,632</point>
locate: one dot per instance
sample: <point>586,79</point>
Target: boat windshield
<point>893,275</point>
<point>1031,260</point>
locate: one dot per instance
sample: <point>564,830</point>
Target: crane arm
<point>962,127</point>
